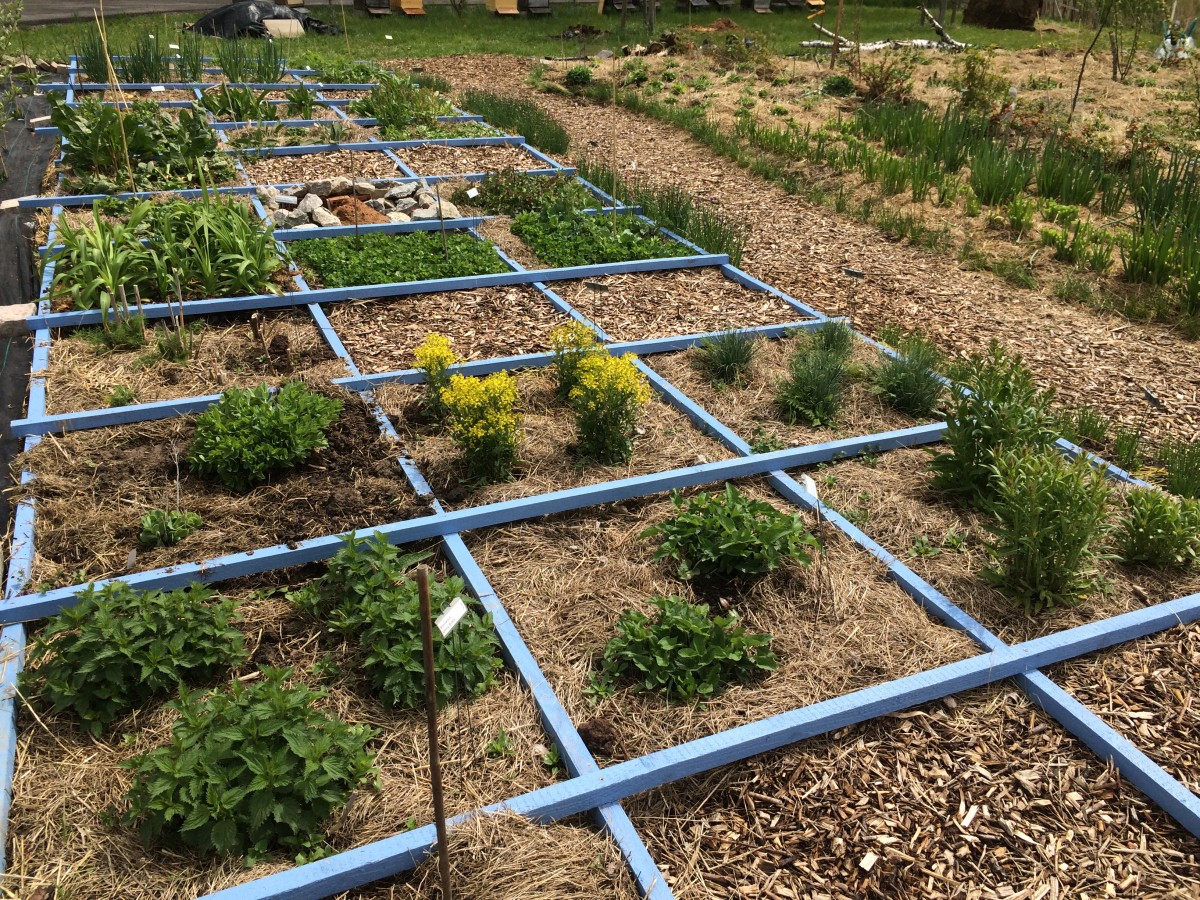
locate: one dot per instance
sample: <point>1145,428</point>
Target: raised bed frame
<point>589,788</point>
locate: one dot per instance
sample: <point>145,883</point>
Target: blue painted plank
<point>373,144</point>
<point>300,234</point>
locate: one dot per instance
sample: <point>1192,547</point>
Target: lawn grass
<point>442,33</point>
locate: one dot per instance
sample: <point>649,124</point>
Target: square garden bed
<point>433,159</point>
<point>270,170</point>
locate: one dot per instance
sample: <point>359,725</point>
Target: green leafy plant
<point>1182,462</point>
<point>997,173</point>
<point>232,104</point>
<point>90,57</point>
<point>1084,426</point>
<point>811,391</point>
<point>509,192</point>
<point>606,397</point>
<point>189,58</point>
<point>578,76</point>
<point>567,237</point>
<point>244,60</point>
<point>727,357</point>
<point>118,648</point>
<point>1067,175</point>
<point>367,595</point>
<point>726,535</point>
<point>683,652</point>
<point>121,395</point>
<point>435,358</point>
<point>484,423</point>
<point>1127,448</point>
<point>249,435</point>
<point>1158,529</point>
<point>909,381</point>
<point>250,768</point>
<point>519,116</point>
<point>166,528</point>
<point>837,86</point>
<point>399,105</point>
<point>142,63</point>
<point>501,747</point>
<point>387,258</point>
<point>1001,408</point>
<point>981,89</point>
<point>1050,517</point>
<point>301,102</point>
<point>763,442</point>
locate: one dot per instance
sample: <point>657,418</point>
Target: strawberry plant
<point>163,528</point>
<point>1158,529</point>
<point>561,237</point>
<point>388,258</point>
<point>682,651</point>
<point>251,768</point>
<point>249,435</point>
<point>117,648</point>
<point>509,192</point>
<point>724,535</point>
<point>366,595</point>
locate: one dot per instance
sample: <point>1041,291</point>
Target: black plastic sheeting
<point>245,19</point>
<point>26,160</point>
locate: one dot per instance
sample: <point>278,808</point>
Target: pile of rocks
<point>327,202</point>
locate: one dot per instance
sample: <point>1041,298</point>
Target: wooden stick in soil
<point>837,31</point>
<point>435,766</point>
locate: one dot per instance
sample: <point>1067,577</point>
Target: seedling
<point>501,746</point>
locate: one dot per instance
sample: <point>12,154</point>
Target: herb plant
<point>484,423</point>
<point>166,528</point>
<point>142,63</point>
<point>435,358</point>
<point>726,535</point>
<point>564,237</point>
<point>510,192</point>
<point>250,768</point>
<point>399,105</point>
<point>811,392</point>
<point>608,392</point>
<point>727,357</point>
<point>246,60</point>
<point>249,435</point>
<point>1050,518</point>
<point>571,344</point>
<point>366,595</point>
<point>387,258</point>
<point>683,652</point>
<point>118,648</point>
<point>1001,409</point>
<point>231,104</point>
<point>909,382</point>
<point>1158,529</point>
<point>301,102</point>
<point>1182,462</point>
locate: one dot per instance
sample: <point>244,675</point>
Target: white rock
<point>309,203</point>
<point>324,218</point>
<point>401,191</point>
<point>398,217</point>
<point>305,225</point>
<point>450,211</point>
<point>339,186</point>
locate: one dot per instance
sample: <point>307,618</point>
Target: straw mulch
<point>661,304</point>
<point>312,134</point>
<point>93,486</point>
<point>837,626</point>
<point>749,407</point>
<point>80,377</point>
<point>163,96</point>
<point>893,499</point>
<point>508,857</point>
<point>483,323</point>
<point>432,159</point>
<point>68,784</point>
<point>980,797</point>
<point>546,461</point>
<point>311,166</point>
<point>1147,690</point>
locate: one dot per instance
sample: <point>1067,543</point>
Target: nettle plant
<point>250,435</point>
<point>1158,529</point>
<point>484,423</point>
<point>367,596</point>
<point>682,652</point>
<point>726,535</point>
<point>250,768</point>
<point>996,406</point>
<point>608,392</point>
<point>118,648</point>
<point>1051,517</point>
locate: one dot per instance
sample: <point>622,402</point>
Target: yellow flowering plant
<point>484,423</point>
<point>571,343</point>
<point>606,397</point>
<point>435,358</point>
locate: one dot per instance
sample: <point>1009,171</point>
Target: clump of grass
<point>1182,462</point>
<point>997,173</point>
<point>519,116</point>
<point>1084,426</point>
<point>909,381</point>
<point>726,357</point>
<point>817,374</point>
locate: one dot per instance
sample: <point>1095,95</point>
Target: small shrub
<point>607,395</point>
<point>484,424</point>
<point>726,357</point>
<point>435,358</point>
<point>251,768</point>
<point>1182,462</point>
<point>578,76</point>
<point>726,535</point>
<point>249,435</point>
<point>683,652</point>
<point>367,595</point>
<point>117,648</point>
<point>981,89</point>
<point>1001,409</point>
<point>571,344</point>
<point>163,528</point>
<point>909,382</point>
<point>1158,529</point>
<point>888,78</point>
<point>837,86</point>
<point>1051,514</point>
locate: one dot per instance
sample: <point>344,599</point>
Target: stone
<point>321,187</point>
<point>350,210</point>
<point>12,318</point>
<point>296,190</point>
<point>279,217</point>
<point>424,214</point>
<point>398,217</point>
<point>404,204</point>
<point>368,191</point>
<point>295,218</point>
<point>401,191</point>
<point>309,203</point>
<point>449,210</point>
<point>286,200</point>
<point>425,198</point>
<point>339,186</point>
<point>325,218</point>
<point>305,225</point>
<point>380,205</point>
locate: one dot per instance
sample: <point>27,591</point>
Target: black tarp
<point>245,19</point>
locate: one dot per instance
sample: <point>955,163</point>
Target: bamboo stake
<point>435,765</point>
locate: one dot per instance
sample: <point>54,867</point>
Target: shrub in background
<point>608,393</point>
<point>484,423</point>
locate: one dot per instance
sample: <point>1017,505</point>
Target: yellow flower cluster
<point>608,392</point>
<point>484,422</point>
<point>572,337</point>
<point>435,356</point>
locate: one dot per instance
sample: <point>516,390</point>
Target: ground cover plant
<point>566,237</point>
<point>108,150</point>
<point>509,192</point>
<point>386,258</point>
<point>166,528</point>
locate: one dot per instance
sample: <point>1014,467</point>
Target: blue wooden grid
<point>590,788</point>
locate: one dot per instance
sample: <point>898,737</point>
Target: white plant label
<point>809,485</point>
<point>39,120</point>
<point>451,617</point>
<point>173,46</point>
<point>473,193</point>
<point>157,87</point>
<point>387,37</point>
<point>633,165</point>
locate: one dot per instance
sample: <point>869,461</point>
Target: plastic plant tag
<point>39,120</point>
<point>173,46</point>
<point>473,193</point>
<point>157,87</point>
<point>809,485</point>
<point>387,37</point>
<point>451,616</point>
